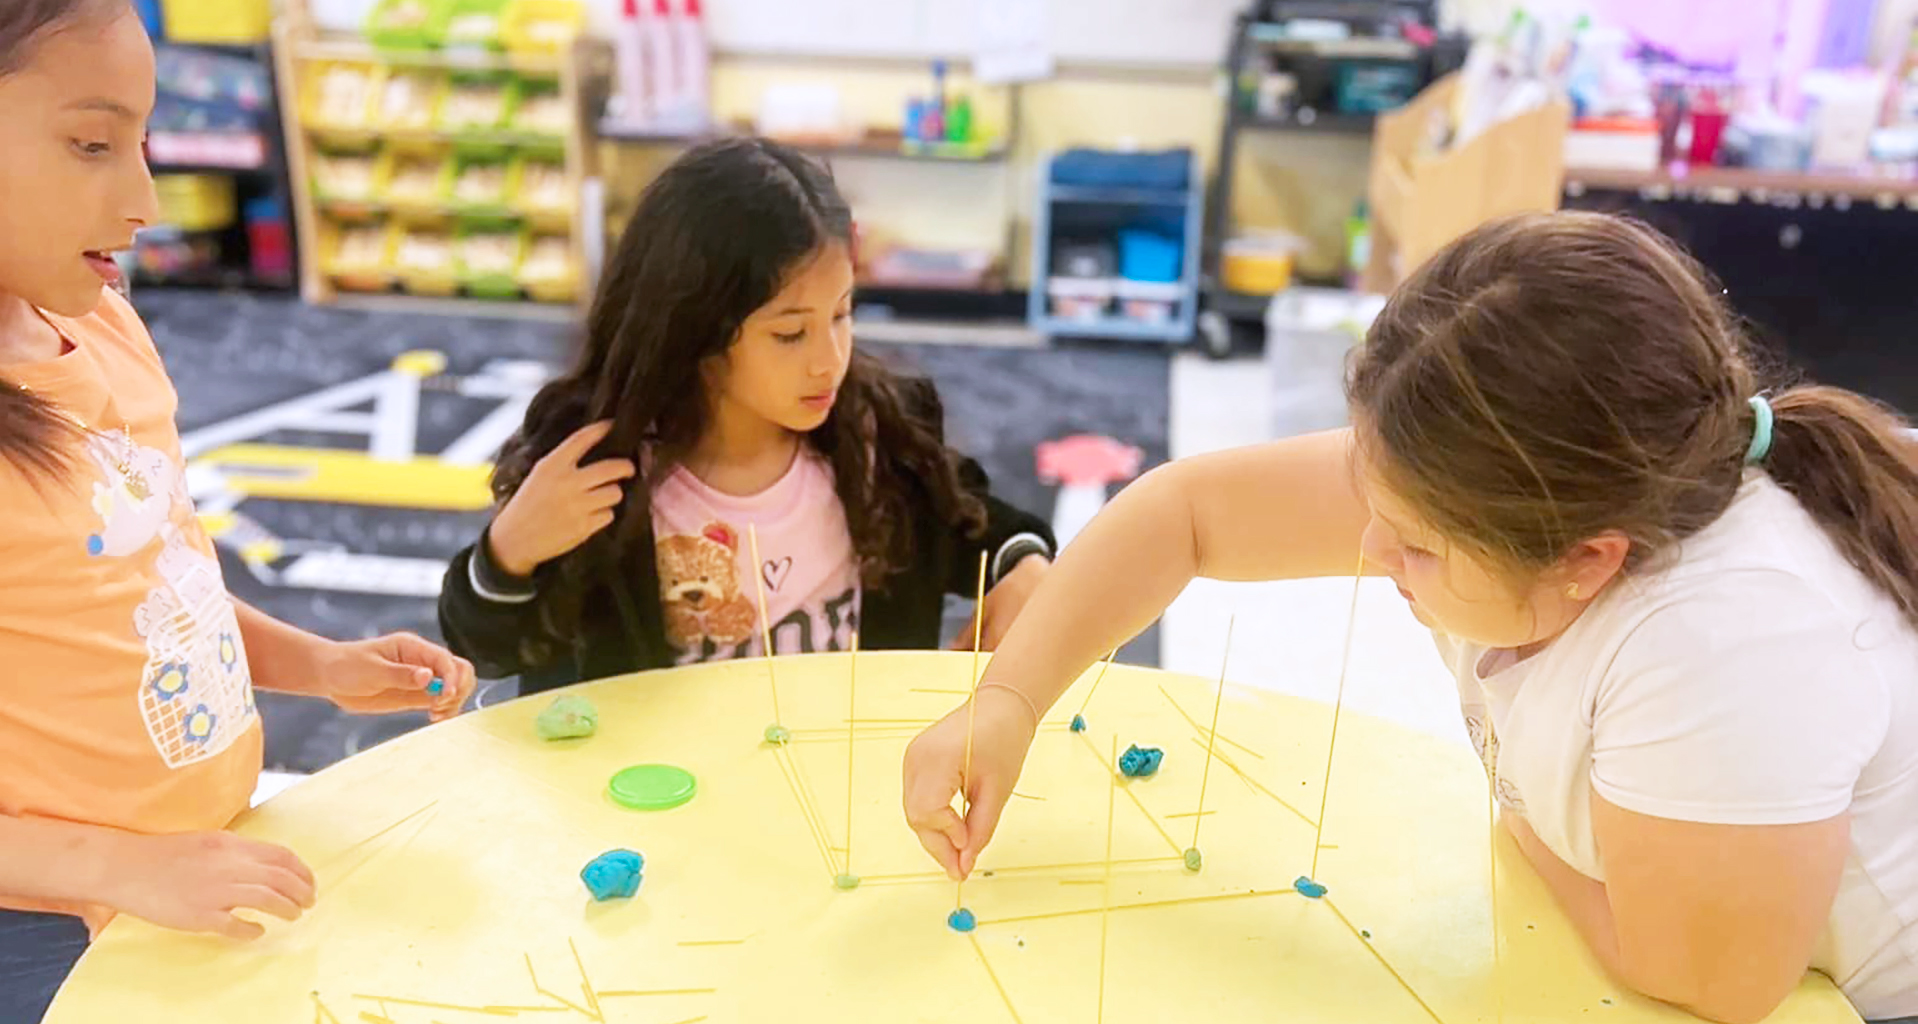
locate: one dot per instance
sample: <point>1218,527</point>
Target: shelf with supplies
<point>1302,67</point>
<point>1886,190</point>
<point>1115,246</point>
<point>215,149</point>
<point>435,173</point>
<point>960,133</point>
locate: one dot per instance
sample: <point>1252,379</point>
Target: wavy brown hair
<point>1550,377</point>
<point>33,435</point>
<point>715,237</point>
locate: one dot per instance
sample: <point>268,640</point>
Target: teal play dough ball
<point>613,875</point>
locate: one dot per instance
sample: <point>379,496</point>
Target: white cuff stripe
<point>473,577</point>
<point>1017,540</point>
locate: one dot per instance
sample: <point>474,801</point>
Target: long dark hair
<point>714,238</point>
<point>33,435</point>
<point>1550,377</point>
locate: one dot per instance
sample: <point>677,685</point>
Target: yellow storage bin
<point>348,179</point>
<point>196,202</point>
<point>418,182</point>
<point>550,271</point>
<point>424,259</point>
<point>409,101</point>
<point>1259,264</point>
<point>340,96</point>
<point>358,257</point>
<point>542,193</point>
<point>229,22</point>
<point>542,26</point>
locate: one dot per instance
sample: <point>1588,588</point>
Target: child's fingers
<point>606,471</point>
<point>574,448</point>
<point>942,834</point>
<point>224,923</point>
<point>605,496</point>
<point>286,860</point>
<point>267,900</point>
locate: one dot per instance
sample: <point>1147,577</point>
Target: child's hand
<point>193,882</point>
<point>1004,602</point>
<point>1002,731</point>
<point>395,673</point>
<point>560,504</point>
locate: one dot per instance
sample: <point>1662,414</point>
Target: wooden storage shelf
<point>301,51</point>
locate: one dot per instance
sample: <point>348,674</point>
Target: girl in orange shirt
<point>128,733</point>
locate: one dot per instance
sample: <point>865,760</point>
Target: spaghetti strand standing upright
<point>972,700</point>
<point>1338,706</point>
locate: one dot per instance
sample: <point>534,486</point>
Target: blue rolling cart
<point>1116,246</point>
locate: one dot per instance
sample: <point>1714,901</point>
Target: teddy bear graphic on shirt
<point>195,690</point>
<point>700,589</point>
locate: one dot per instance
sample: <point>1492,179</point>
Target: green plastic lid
<point>652,787</point>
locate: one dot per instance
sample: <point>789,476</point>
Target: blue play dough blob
<point>1140,762</point>
<point>1308,888</point>
<point>613,875</point>
<point>436,687</point>
<point>961,920</point>
<point>95,545</point>
<point>1078,723</point>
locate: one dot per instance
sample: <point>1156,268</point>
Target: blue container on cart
<point>1149,256</point>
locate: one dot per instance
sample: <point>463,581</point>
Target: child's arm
<point>486,614</point>
<point>1286,510</point>
<point>1018,548</point>
<point>1718,919</point>
<point>190,882</point>
<point>489,605</point>
<point>367,677</point>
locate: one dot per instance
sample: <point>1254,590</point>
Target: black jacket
<point>623,626</point>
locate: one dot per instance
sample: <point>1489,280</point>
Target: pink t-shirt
<point>710,586</point>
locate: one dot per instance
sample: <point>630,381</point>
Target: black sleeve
<point>1004,522</point>
<point>488,629</point>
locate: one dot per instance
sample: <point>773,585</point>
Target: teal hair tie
<point>1761,431</point>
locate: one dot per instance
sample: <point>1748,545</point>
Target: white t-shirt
<point>1757,679</point>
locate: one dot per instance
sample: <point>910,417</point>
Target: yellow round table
<point>449,862</point>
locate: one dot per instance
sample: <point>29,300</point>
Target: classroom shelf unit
<point>215,150</point>
<point>1079,293</point>
<point>898,269</point>
<point>1262,34</point>
<point>436,174</point>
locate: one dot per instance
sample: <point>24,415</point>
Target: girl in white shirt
<point>1682,611</point>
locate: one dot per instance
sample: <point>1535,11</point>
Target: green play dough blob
<point>568,717</point>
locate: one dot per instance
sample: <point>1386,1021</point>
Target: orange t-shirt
<point>125,695</point>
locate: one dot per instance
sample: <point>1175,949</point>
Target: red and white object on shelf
<point>1612,144</point>
<point>662,60</point>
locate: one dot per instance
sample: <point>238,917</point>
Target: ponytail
<point>1853,464</point>
<point>33,435</point>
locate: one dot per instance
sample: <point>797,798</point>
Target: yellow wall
<point>1304,183</point>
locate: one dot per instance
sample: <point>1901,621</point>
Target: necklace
<point>134,484</point>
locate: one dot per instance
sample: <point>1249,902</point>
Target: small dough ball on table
<point>568,717</point>
<point>613,875</point>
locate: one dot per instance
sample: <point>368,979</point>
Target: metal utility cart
<point>1375,36</point>
<point>1156,221</point>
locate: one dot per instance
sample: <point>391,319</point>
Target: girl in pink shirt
<point>129,737</point>
<point>718,401</point>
